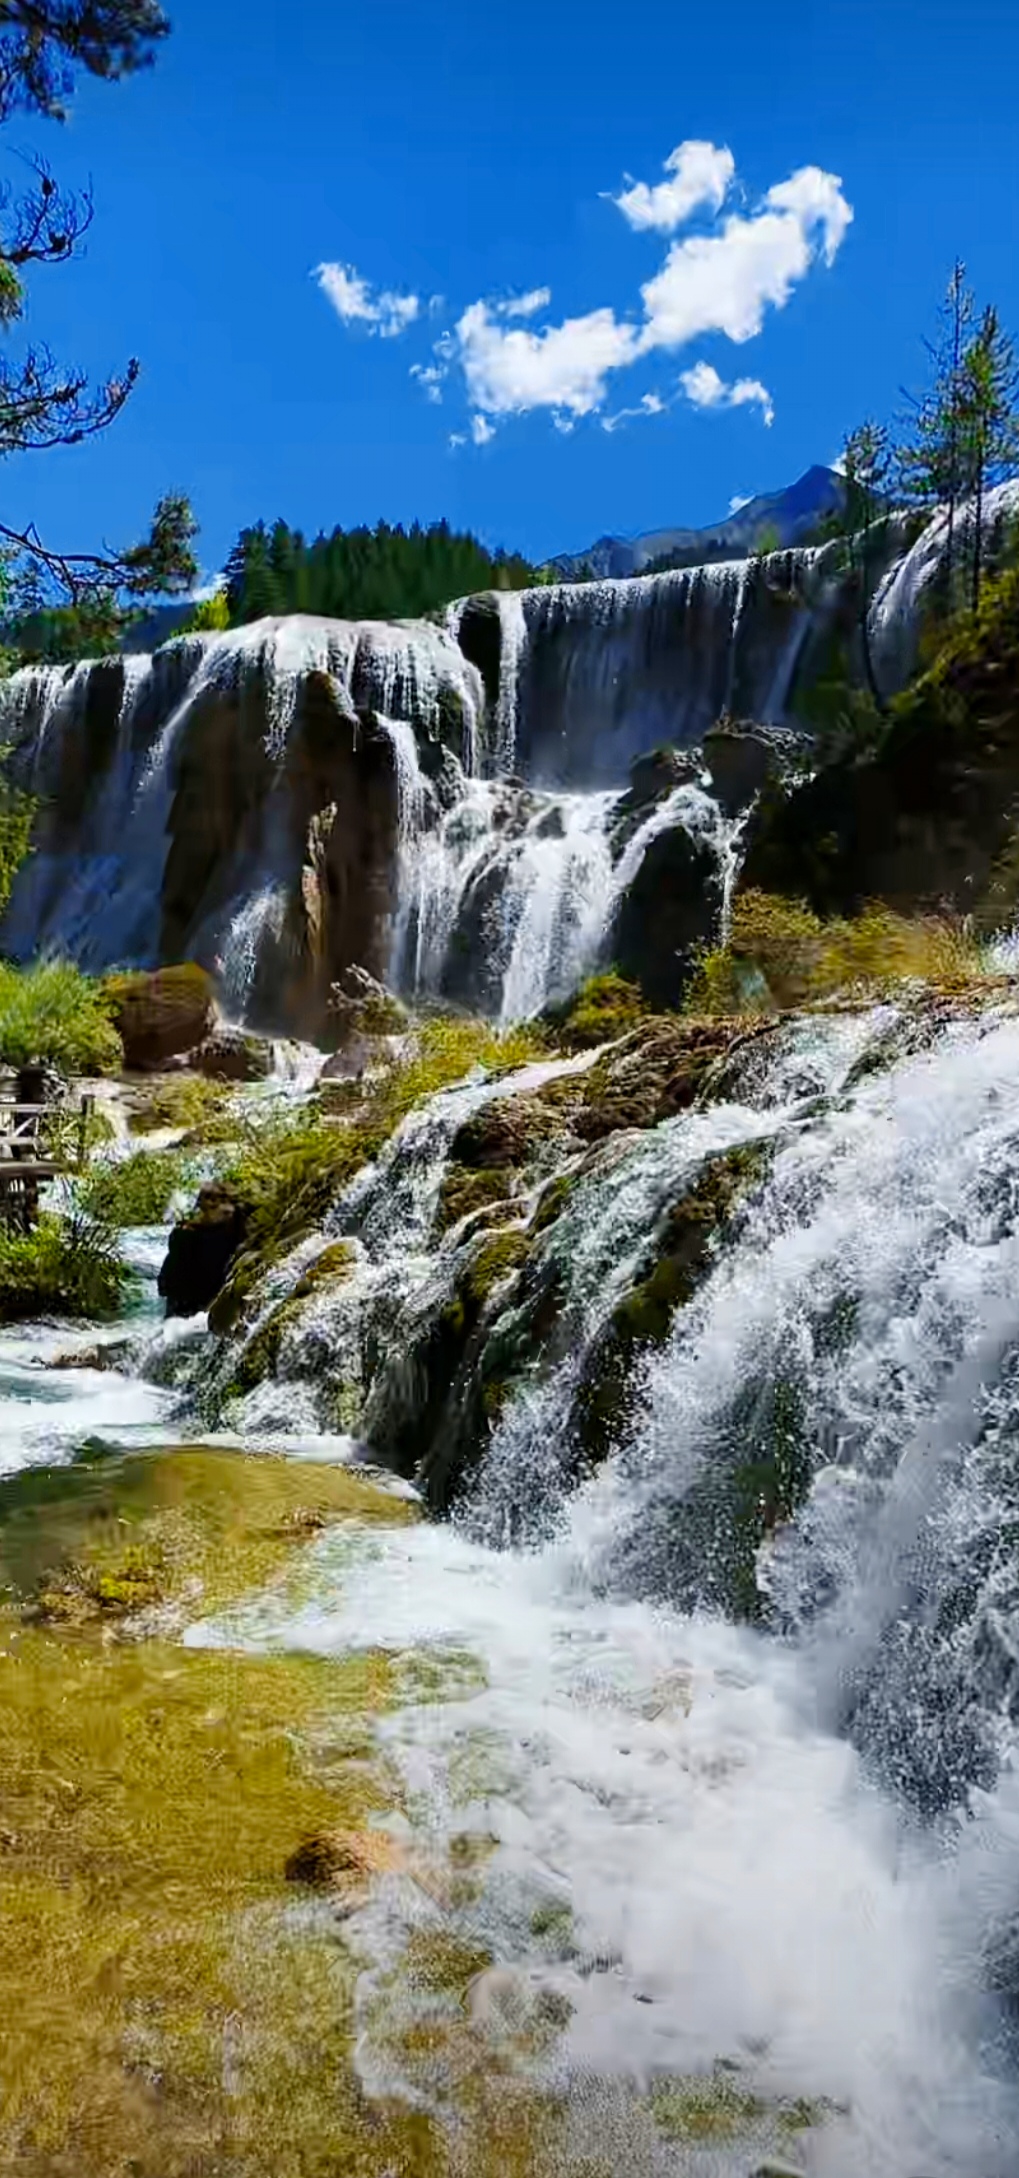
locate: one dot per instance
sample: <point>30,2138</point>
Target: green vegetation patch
<point>719,2108</point>
<point>292,1168</point>
<point>187,1102</point>
<point>781,954</point>
<point>137,1190</point>
<point>64,1267</point>
<point>605,1007</point>
<point>54,1013</point>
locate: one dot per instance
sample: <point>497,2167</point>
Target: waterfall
<point>903,595</point>
<point>611,669</point>
<point>513,643</point>
<point>791,1848</point>
<point>101,743</point>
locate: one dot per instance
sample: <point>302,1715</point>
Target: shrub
<point>779,953</point>
<point>137,1190</point>
<point>605,1007</point>
<point>17,815</point>
<point>65,1267</point>
<point>52,1012</point>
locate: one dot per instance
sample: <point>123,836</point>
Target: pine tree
<point>932,461</point>
<point>989,385</point>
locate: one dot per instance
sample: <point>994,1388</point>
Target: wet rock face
<point>740,759</point>
<point>200,1251</point>
<point>671,908</point>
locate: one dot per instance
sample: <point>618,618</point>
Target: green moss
<point>498,1258</point>
<point>683,1250</point>
<point>717,2107</point>
<point>552,1201</point>
<point>605,1007</point>
<point>181,1101</point>
<point>463,1191</point>
<point>192,1527</point>
<point>332,1268</point>
<point>436,1961</point>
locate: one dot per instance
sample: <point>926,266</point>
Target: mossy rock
<point>161,1014</point>
<point>332,1268</point>
<point>606,1007</point>
<point>201,1249</point>
<point>658,1069</point>
<point>465,1189</point>
<point>504,1134</point>
<point>681,1254</point>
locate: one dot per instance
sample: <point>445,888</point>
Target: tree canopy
<point>385,573</point>
<point>45,45</point>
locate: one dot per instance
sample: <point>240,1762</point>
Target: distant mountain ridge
<point>790,515</point>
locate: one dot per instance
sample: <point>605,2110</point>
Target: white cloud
<point>705,389</point>
<point>650,404</point>
<point>357,303</point>
<point>724,282</point>
<point>562,368</point>
<point>739,500</point>
<point>702,175</point>
<point>525,306</point>
<point>482,432</point>
<point>203,591</point>
<point>430,377</point>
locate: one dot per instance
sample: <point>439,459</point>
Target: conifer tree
<point>989,387</point>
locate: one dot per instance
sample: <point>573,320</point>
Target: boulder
<point>200,1251</point>
<point>162,1013</point>
<point>234,1054</point>
<point>740,759</point>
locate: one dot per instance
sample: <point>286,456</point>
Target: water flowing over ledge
<point>437,802</point>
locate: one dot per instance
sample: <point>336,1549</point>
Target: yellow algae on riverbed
<point>159,2015</point>
<point>173,2006</point>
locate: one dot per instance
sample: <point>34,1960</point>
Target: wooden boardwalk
<point>25,1165</point>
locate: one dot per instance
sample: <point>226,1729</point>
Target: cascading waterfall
<point>789,1848</point>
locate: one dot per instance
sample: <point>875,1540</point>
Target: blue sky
<point>465,156</point>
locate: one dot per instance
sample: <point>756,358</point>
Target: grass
<point>66,1267</point>
<point>52,1012</point>
<point>137,1190</point>
<point>781,954</point>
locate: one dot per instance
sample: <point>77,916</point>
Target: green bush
<point>65,1267</point>
<point>52,1012</point>
<point>137,1190</point>
<point>17,816</point>
<point>780,954</point>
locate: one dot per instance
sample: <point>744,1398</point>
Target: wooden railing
<point>28,1157</point>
